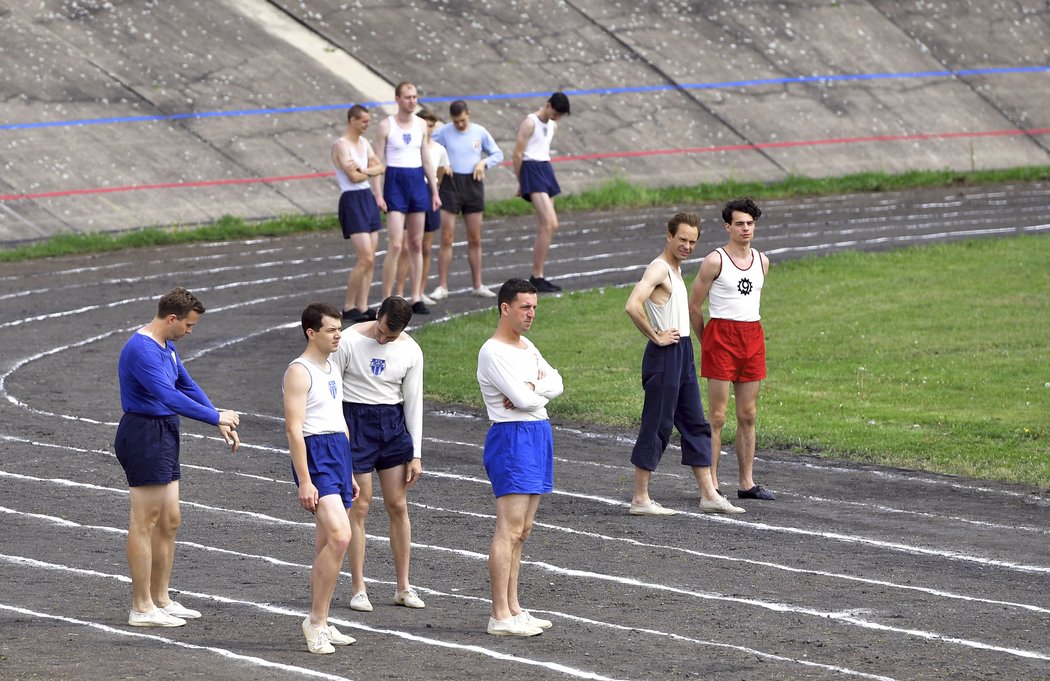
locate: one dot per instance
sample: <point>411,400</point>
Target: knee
<point>367,260</point>
<point>524,533</point>
<point>397,508</point>
<point>169,521</point>
<point>717,419</point>
<point>745,418</point>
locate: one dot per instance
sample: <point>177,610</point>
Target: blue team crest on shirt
<point>333,388</point>
<point>377,366</point>
<point>407,137</point>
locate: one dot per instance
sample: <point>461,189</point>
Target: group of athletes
<point>353,400</point>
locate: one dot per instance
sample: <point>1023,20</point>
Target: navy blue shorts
<point>148,449</point>
<point>519,457</point>
<point>405,190</point>
<point>537,177</point>
<point>433,221</point>
<point>331,471</point>
<point>461,193</point>
<point>358,213</point>
<point>378,436</point>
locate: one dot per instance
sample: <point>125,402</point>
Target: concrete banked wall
<point>116,115</point>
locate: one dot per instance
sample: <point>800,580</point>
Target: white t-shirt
<point>538,148</point>
<point>324,400</point>
<point>504,370</point>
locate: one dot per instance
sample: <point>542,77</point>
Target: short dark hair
<point>179,302</point>
<point>744,205</point>
<point>356,111</point>
<point>314,314</point>
<point>397,311</point>
<point>457,108</point>
<point>401,86</point>
<point>682,219</point>
<point>427,115</point>
<point>560,103</point>
<point>510,290</point>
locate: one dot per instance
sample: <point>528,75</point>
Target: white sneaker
<point>360,602</point>
<point>176,609</point>
<point>427,300</point>
<point>440,293</point>
<point>318,640</point>
<point>511,627</point>
<point>719,505</point>
<point>409,598</point>
<point>525,617</point>
<point>338,638</point>
<point>652,508</point>
<point>482,292</point>
<point>154,618</point>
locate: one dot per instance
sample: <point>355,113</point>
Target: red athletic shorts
<point>733,351</point>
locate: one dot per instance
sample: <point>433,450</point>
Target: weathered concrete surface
<point>65,61</point>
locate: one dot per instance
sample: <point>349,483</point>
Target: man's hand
<point>664,338</point>
<point>308,496</point>
<point>228,417</point>
<point>413,472</point>
<point>479,171</point>
<point>230,435</point>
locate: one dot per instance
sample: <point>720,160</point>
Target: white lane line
<point>222,652</point>
<point>847,617</point>
<point>299,614</point>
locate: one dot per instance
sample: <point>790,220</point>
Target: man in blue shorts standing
<point>471,151</point>
<point>355,166</point>
<point>516,384</point>
<point>155,390</point>
<point>321,464</point>
<point>409,190</point>
<point>536,181</point>
<point>382,373</point>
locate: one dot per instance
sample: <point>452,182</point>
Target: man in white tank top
<point>734,351</point>
<point>404,197</point>
<point>321,463</point>
<point>536,181</point>
<point>659,307</point>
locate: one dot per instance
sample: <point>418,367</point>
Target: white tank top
<point>674,314</point>
<point>403,146</point>
<point>538,148</point>
<point>737,293</point>
<point>324,401</point>
<point>358,155</point>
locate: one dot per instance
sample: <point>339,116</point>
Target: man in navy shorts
<point>382,373</point>
<point>733,346</point>
<point>536,181</point>
<point>321,464</point>
<point>154,390</point>
<point>516,384</point>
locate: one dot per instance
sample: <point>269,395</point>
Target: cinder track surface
<point>854,572</point>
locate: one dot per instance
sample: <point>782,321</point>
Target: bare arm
<point>655,274</point>
<point>341,159</point>
<point>296,387</point>
<point>524,133</point>
<point>709,271</point>
<point>382,130</point>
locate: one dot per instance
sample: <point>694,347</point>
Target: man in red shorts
<point>733,348</point>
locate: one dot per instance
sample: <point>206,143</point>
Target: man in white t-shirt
<point>516,384</point>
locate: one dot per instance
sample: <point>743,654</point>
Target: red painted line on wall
<point>559,159</point>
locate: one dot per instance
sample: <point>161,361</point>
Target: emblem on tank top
<point>377,365</point>
<point>333,389</point>
<point>744,286</point>
<point>407,137</point>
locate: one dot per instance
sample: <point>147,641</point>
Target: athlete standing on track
<point>321,464</point>
<point>659,307</point>
<point>382,374</point>
<point>733,344</point>
<point>154,390</point>
<point>536,181</point>
<point>408,182</point>
<point>516,384</point>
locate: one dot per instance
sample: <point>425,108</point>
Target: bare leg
<point>546,226</point>
<point>332,539</point>
<point>395,494</point>
<point>359,281</point>
<point>147,504</point>
<point>717,403</point>
<point>358,513</point>
<point>448,237</point>
<point>473,224</point>
<point>511,512</point>
<point>395,226</point>
<point>428,244</point>
<point>746,395</point>
<point>641,486</point>
<point>515,563</point>
<point>163,545</point>
<point>414,236</point>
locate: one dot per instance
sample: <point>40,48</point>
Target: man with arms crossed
<point>154,390</point>
<point>409,190</point>
<point>355,164</point>
<point>321,465</point>
<point>659,307</point>
<point>382,374</point>
<point>536,181</point>
<point>732,342</point>
<point>516,384</point>
<point>464,192</point>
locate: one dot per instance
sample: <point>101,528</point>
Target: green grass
<point>616,193</point>
<point>932,358</point>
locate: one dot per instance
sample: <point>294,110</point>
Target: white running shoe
<point>427,300</point>
<point>176,609</point>
<point>719,505</point>
<point>652,508</point>
<point>154,618</point>
<point>360,602</point>
<point>511,627</point>
<point>482,292</point>
<point>440,293</point>
<point>318,639</point>
<point>338,638</point>
<point>409,598</point>
<point>525,617</point>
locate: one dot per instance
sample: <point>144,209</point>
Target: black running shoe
<point>419,307</point>
<point>370,314</point>
<point>544,286</point>
<point>354,315</point>
<point>756,492</point>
